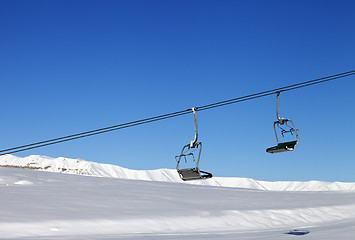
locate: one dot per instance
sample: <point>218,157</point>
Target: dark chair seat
<point>282,147</point>
<point>193,174</point>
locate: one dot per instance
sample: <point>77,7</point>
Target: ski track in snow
<point>47,205</point>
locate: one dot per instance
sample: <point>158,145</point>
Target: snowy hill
<point>82,167</point>
<point>44,205</point>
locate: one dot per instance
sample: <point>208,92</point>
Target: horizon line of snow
<point>82,167</point>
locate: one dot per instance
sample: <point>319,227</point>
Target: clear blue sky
<point>73,66</point>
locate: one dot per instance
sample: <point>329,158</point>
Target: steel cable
<point>174,114</point>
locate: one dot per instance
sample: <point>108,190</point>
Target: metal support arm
<point>193,143</point>
<point>280,120</point>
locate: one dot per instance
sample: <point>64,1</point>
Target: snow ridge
<point>248,220</point>
<point>82,167</point>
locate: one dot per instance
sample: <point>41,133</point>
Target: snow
<point>23,182</point>
<point>101,201</point>
<point>82,167</point>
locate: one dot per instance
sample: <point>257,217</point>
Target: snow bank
<point>82,167</point>
<point>23,182</point>
<point>58,206</point>
<point>248,220</point>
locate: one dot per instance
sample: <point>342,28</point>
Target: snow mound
<point>249,220</point>
<point>62,206</point>
<point>82,167</point>
<point>23,182</point>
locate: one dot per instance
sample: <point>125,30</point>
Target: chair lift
<point>186,154</point>
<point>284,146</point>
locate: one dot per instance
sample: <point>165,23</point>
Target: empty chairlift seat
<point>282,147</point>
<point>193,174</point>
<point>284,126</point>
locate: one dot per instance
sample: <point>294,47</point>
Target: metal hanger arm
<point>193,143</point>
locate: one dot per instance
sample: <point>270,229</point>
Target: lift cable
<point>174,114</point>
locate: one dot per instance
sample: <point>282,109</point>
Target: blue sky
<point>73,66</point>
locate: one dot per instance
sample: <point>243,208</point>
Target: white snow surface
<point>48,205</point>
<point>82,167</point>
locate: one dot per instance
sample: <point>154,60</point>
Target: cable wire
<point>174,114</point>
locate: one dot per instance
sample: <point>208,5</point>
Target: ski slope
<point>49,205</point>
<point>82,167</point>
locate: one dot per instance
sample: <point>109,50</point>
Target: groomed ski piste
<point>102,201</point>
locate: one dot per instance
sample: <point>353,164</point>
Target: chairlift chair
<point>281,124</point>
<point>187,154</point>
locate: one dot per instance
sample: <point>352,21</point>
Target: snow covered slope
<point>82,167</point>
<point>44,205</point>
